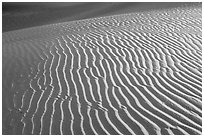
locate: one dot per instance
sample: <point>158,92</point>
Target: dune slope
<point>136,73</point>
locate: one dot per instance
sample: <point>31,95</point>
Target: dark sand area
<point>28,14</point>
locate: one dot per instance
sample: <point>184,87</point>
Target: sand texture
<point>137,73</point>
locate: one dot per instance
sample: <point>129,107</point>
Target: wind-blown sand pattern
<point>137,73</point>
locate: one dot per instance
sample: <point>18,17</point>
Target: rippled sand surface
<point>136,73</point>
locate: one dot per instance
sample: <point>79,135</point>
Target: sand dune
<point>21,15</point>
<point>137,73</point>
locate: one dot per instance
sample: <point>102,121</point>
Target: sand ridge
<point>23,15</point>
<point>136,73</point>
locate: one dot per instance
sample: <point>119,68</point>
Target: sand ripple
<point>136,73</point>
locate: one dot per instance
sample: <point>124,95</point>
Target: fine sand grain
<point>137,73</point>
